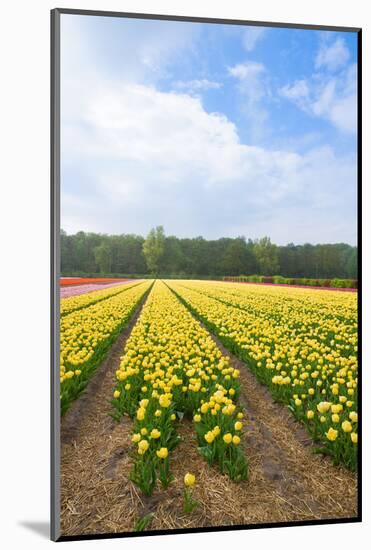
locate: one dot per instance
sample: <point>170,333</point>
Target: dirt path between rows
<point>287,482</point>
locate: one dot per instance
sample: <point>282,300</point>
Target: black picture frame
<point>55,266</point>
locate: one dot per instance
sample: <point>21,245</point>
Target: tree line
<point>169,256</point>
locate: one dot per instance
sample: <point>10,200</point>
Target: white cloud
<point>134,156</point>
<point>296,91</point>
<point>344,113</point>
<point>196,86</point>
<point>325,99</point>
<point>253,85</point>
<point>131,50</point>
<point>331,92</point>
<point>332,98</point>
<point>332,56</point>
<point>247,72</point>
<point>157,157</point>
<point>251,36</point>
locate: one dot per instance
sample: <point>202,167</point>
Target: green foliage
<point>254,279</point>
<point>266,254</point>
<point>153,248</point>
<point>344,283</point>
<point>144,522</point>
<point>90,254</point>
<point>278,279</point>
<point>189,503</point>
<point>102,254</point>
<point>238,257</point>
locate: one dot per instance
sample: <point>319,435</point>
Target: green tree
<point>236,257</point>
<point>102,255</point>
<point>172,261</point>
<point>266,254</point>
<point>153,248</point>
<point>90,253</point>
<point>350,261</point>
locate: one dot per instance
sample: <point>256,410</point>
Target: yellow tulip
<point>209,437</point>
<point>189,479</point>
<point>323,407</point>
<point>143,446</point>
<point>155,433</point>
<point>331,434</point>
<point>162,453</point>
<point>346,426</point>
<point>141,413</point>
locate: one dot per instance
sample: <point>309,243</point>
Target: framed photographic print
<point>205,274</point>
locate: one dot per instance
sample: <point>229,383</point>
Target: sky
<point>211,130</point>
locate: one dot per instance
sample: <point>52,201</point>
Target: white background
<point>24,217</point>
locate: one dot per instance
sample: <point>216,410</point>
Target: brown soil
<point>287,482</point>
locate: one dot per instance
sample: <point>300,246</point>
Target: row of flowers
<point>301,344</point>
<point>74,303</point>
<point>87,333</point>
<point>171,368</point>
<point>77,290</point>
<point>69,281</point>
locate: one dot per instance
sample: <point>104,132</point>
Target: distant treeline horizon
<point>170,256</point>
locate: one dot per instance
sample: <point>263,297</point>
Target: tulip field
<point>182,369</point>
<point>301,344</point>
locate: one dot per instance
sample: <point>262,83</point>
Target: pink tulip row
<point>66,292</point>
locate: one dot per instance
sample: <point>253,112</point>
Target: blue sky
<point>212,130</point>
